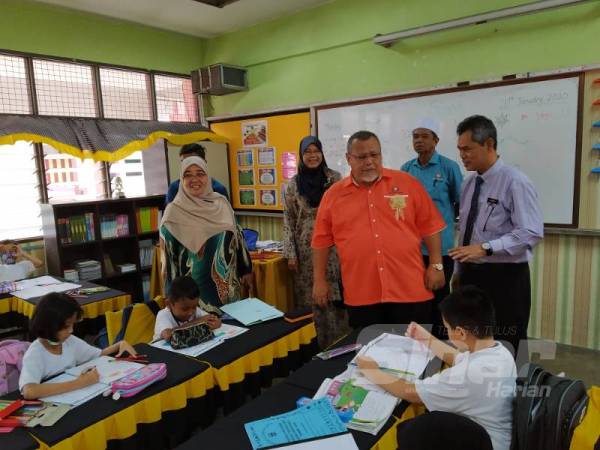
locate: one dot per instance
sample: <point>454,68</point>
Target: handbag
<point>190,335</point>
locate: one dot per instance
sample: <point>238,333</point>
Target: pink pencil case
<point>139,380</point>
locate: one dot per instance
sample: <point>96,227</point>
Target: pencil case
<point>139,380</point>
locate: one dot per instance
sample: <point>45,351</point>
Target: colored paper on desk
<point>313,420</point>
<point>109,368</point>
<point>251,311</point>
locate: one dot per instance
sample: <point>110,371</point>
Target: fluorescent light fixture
<point>387,40</point>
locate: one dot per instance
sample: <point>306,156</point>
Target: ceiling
<point>189,16</point>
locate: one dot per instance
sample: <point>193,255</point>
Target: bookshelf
<point>113,232</point>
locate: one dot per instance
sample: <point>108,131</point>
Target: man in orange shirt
<point>377,219</point>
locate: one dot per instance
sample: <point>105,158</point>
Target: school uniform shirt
<point>377,231</point>
<point>39,364</point>
<point>16,271</point>
<point>508,216</point>
<point>442,179</point>
<point>481,386</point>
<point>165,320</point>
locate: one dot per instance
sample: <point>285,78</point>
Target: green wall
<point>49,30</point>
<point>326,53</point>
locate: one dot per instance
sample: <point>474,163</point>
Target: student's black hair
<point>481,129</point>
<point>470,308</point>
<point>362,135</point>
<point>51,315</point>
<point>193,149</point>
<point>183,287</point>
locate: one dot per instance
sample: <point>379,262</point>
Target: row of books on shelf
<point>146,252</point>
<point>148,218</point>
<point>114,225</point>
<point>75,229</point>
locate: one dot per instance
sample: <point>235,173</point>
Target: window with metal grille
<point>14,93</point>
<point>175,101</point>
<point>64,89</point>
<point>20,217</point>
<point>125,94</point>
<point>72,179</point>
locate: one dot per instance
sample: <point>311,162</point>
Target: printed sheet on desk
<point>109,369</point>
<point>224,332</point>
<point>366,405</point>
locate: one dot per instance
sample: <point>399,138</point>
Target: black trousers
<point>389,313</point>
<point>509,287</point>
<point>437,326</point>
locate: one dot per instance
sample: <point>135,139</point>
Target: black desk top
<point>256,337</point>
<point>229,433</point>
<point>93,298</point>
<point>179,370</point>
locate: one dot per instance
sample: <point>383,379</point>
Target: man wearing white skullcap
<point>442,179</point>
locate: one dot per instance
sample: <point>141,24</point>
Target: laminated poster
<point>254,134</point>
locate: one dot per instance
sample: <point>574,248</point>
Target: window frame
<point>97,90</point>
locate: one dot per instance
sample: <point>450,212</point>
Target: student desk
<point>156,418</point>
<point>229,432</point>
<point>272,277</point>
<point>246,363</point>
<point>93,306</point>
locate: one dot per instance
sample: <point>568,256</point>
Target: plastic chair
<point>140,326</point>
<point>459,433</point>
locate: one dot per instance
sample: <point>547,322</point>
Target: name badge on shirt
<point>397,202</point>
<point>492,201</point>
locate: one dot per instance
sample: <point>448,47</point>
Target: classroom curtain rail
<point>98,139</point>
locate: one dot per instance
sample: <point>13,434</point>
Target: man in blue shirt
<point>193,150</point>
<point>442,179</point>
<point>500,224</point>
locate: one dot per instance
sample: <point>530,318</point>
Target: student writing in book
<point>182,309</point>
<point>480,382</point>
<point>56,349</point>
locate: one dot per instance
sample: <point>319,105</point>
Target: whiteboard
<point>536,122</point>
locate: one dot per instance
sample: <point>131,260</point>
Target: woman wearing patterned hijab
<point>200,238</point>
<point>302,198</point>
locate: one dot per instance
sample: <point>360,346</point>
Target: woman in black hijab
<point>302,198</point>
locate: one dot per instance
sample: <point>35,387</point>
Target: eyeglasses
<point>363,158</point>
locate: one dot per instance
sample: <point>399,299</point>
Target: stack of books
<point>113,225</point>
<point>127,267</point>
<point>148,219</point>
<point>71,275</point>
<point>76,229</point>
<point>89,269</point>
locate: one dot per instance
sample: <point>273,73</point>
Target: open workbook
<point>109,369</point>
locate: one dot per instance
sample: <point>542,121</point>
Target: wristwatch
<point>488,248</point>
<point>438,266</point>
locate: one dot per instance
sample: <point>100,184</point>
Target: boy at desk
<point>480,382</point>
<point>56,349</point>
<point>182,309</point>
